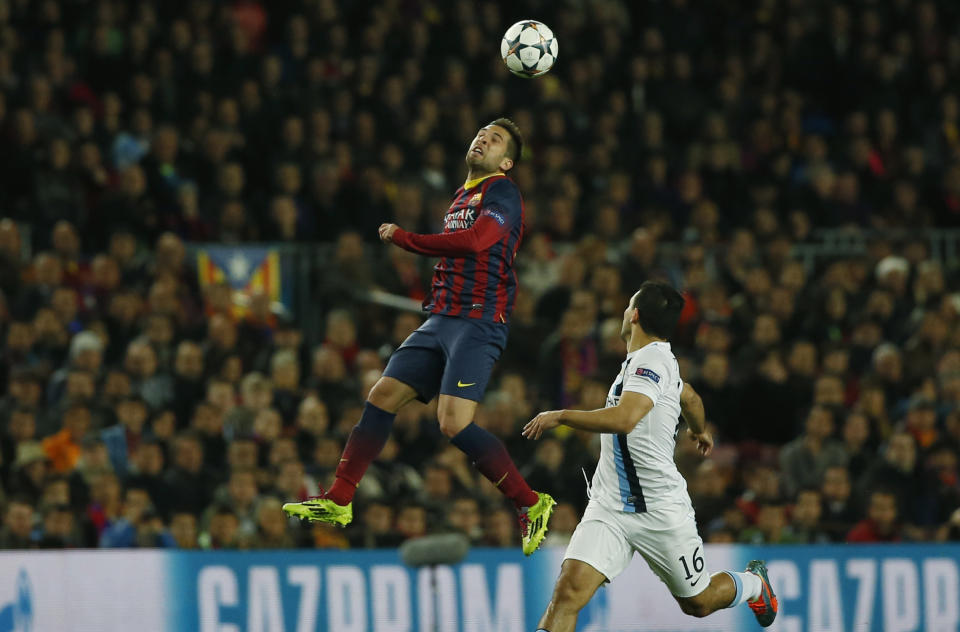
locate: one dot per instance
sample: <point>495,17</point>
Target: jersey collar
<point>649,344</point>
<point>469,184</point>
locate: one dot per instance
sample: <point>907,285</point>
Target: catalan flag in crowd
<point>246,270</point>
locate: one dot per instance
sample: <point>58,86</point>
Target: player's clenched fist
<point>387,231</point>
<point>704,441</point>
<point>544,421</point>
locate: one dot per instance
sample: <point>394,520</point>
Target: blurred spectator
<point>708,490</point>
<point>392,478</point>
<point>377,530</point>
<point>551,468</point>
<point>188,384</point>
<point>18,519</point>
<point>806,516</point>
<point>895,472</point>
<point>63,448</point>
<point>921,421</point>
<point>146,472</point>
<point>240,494</point>
<point>412,520</point>
<point>105,506</point>
<point>500,528</point>
<point>857,443</point>
<point>464,516</point>
<point>183,528</point>
<point>30,469</point>
<point>271,526</point>
<point>59,528</point>
<point>771,527</point>
<point>138,526</point>
<point>223,530</point>
<point>881,523</point>
<point>123,438</point>
<point>804,459</point>
<point>189,481</point>
<point>292,482</point>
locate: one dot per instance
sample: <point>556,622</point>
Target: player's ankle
<point>526,500</point>
<point>341,492</point>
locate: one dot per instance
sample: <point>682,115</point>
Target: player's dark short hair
<point>515,142</point>
<point>658,308</point>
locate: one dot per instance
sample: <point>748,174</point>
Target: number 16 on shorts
<point>697,564</point>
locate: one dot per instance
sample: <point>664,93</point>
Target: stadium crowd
<point>138,410</point>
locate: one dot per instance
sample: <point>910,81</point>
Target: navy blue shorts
<point>449,355</point>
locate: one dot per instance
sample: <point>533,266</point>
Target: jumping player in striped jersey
<point>453,352</point>
<point>638,499</point>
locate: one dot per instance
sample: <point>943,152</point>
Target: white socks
<point>748,586</point>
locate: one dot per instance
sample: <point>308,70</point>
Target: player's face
<point>488,151</point>
<point>629,315</point>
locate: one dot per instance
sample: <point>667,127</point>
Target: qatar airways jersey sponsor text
<point>459,219</point>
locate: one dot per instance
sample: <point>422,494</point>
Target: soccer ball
<point>529,48</point>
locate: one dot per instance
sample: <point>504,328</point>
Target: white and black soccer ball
<point>529,48</point>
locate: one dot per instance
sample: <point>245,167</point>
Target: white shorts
<point>667,538</point>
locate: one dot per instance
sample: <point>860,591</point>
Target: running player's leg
<point>598,552</point>
<point>728,589</point>
<point>719,594</point>
<point>576,585</point>
<point>669,542</point>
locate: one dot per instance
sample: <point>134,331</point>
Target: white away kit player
<point>638,499</point>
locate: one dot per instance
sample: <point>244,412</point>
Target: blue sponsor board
<point>492,590</point>
<point>826,588</point>
<point>895,588</point>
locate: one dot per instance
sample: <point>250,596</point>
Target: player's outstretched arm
<point>691,407</point>
<point>485,232</point>
<point>618,419</point>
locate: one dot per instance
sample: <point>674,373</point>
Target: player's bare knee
<point>452,418</point>
<point>567,595</point>
<point>572,591</point>
<point>390,395</point>
<point>451,425</point>
<point>695,606</point>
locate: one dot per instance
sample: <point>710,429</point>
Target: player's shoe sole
<point>765,606</point>
<point>536,527</point>
<point>321,510</point>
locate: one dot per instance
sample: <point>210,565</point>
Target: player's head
<point>655,308</point>
<point>496,147</point>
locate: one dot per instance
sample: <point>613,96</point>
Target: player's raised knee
<point>390,394</point>
<point>454,414</point>
<point>450,426</point>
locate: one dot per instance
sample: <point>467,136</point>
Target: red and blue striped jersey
<point>475,277</point>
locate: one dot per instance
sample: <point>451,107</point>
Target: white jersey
<point>636,471</point>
